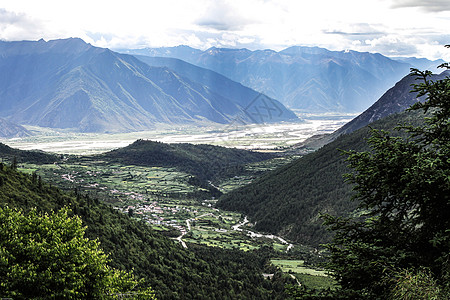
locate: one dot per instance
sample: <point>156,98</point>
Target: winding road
<point>236,227</point>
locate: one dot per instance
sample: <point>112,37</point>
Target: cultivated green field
<point>306,276</point>
<point>296,266</point>
<point>163,197</point>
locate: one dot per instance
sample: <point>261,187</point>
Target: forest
<point>398,244</point>
<point>290,199</point>
<point>170,270</point>
<point>206,162</point>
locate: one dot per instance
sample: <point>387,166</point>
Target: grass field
<point>296,266</point>
<point>315,281</point>
<point>161,196</point>
<point>306,276</point>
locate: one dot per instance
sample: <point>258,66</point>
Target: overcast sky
<point>392,27</point>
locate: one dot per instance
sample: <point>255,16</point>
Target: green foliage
<point>206,162</point>
<point>410,285</point>
<point>172,271</point>
<point>403,189</point>
<point>290,199</point>
<point>15,156</point>
<point>306,293</point>
<point>316,282</point>
<point>47,256</point>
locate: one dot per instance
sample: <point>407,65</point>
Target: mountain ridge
<point>71,84</point>
<point>12,130</point>
<point>310,79</point>
<point>289,200</point>
<point>395,100</point>
<point>219,84</point>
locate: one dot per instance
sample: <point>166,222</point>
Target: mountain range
<point>256,107</point>
<point>71,84</point>
<point>395,100</point>
<point>289,200</point>
<point>309,79</point>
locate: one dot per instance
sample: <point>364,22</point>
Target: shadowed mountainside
<point>289,200</point>
<point>11,130</point>
<point>71,84</point>
<point>310,79</point>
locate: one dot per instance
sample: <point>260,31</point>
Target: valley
<point>168,198</point>
<point>235,134</point>
<point>223,173</point>
<point>176,206</point>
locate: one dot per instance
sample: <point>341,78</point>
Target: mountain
<point>309,79</point>
<point>11,130</point>
<point>422,63</point>
<point>289,200</point>
<point>21,156</point>
<point>71,84</point>
<point>183,52</point>
<point>395,100</point>
<point>226,87</point>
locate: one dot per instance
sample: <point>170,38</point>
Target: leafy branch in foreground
<point>46,256</point>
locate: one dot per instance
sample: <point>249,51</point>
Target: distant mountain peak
<point>69,45</point>
<point>304,50</point>
<point>11,130</point>
<point>71,84</point>
<point>347,81</point>
<point>222,49</point>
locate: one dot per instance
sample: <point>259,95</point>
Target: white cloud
<point>426,5</point>
<point>17,26</point>
<point>223,16</point>
<point>409,27</point>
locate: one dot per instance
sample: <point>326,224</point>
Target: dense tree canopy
<point>46,256</point>
<point>401,234</point>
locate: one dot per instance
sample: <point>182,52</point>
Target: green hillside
<point>203,161</point>
<point>289,200</point>
<point>20,156</point>
<point>172,271</point>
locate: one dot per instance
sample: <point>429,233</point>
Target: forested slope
<point>203,161</point>
<point>37,157</point>
<point>290,200</point>
<point>172,271</point>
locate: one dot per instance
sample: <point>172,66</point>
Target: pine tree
<point>403,187</point>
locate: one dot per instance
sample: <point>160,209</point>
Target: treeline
<point>290,199</point>
<point>206,162</point>
<point>37,157</point>
<point>172,271</point>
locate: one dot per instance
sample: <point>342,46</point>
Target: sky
<point>418,28</point>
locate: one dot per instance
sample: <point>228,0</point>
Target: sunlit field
<point>256,136</point>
